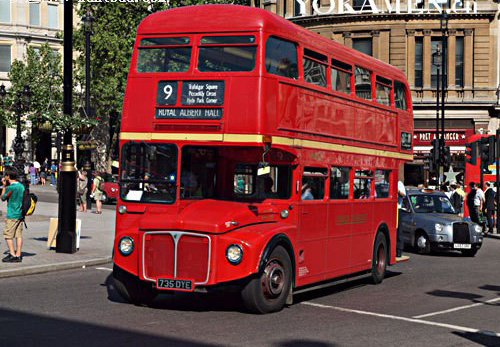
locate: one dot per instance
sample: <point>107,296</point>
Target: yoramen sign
<point>389,6</point>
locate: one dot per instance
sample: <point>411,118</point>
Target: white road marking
<point>410,320</point>
<point>104,268</point>
<point>457,308</point>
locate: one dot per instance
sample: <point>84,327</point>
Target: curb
<point>37,269</point>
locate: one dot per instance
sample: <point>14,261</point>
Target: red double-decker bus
<point>255,155</point>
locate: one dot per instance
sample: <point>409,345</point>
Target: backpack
<point>100,185</point>
<point>29,203</point>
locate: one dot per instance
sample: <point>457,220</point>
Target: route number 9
<point>168,91</point>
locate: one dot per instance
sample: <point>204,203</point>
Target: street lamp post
<point>437,61</point>
<point>87,22</point>
<point>444,84</point>
<point>22,103</point>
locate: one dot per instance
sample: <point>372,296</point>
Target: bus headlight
<point>234,254</point>
<point>122,209</point>
<point>438,227</point>
<point>126,245</point>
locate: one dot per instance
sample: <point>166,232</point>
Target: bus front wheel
<point>379,260</point>
<point>267,292</point>
<point>132,289</point>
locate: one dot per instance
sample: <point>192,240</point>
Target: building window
<point>315,68</point>
<point>434,43</point>
<point>35,13</point>
<point>281,58</point>
<point>53,16</point>
<point>5,58</point>
<point>419,53</point>
<point>363,45</point>
<point>363,83</point>
<point>5,11</point>
<point>296,9</point>
<point>459,62</point>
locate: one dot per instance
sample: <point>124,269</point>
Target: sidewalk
<point>96,242</point>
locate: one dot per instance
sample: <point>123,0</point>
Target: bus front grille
<point>461,233</point>
<point>180,255</point>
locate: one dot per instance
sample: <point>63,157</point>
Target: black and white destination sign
<point>188,113</point>
<point>206,93</point>
<point>167,93</point>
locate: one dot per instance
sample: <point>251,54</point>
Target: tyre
<point>267,292</point>
<point>132,289</point>
<point>469,252</point>
<point>379,260</point>
<point>422,243</point>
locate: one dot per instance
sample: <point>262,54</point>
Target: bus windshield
<point>148,173</point>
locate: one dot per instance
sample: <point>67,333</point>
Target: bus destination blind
<point>202,93</point>
<point>188,113</point>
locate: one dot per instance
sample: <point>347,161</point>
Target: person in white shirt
<point>399,239</point>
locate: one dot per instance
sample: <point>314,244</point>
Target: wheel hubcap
<point>273,279</point>
<point>380,259</point>
<point>422,242</point>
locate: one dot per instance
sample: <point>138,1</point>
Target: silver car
<point>427,221</point>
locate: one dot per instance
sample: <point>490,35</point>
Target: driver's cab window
<point>198,172</point>
<point>313,183</point>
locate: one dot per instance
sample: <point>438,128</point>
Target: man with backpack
<point>97,192</point>
<point>13,192</point>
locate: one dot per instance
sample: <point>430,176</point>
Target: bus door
<point>361,218</point>
<point>339,222</point>
<point>313,223</point>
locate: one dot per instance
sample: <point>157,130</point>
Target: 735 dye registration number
<point>184,285</point>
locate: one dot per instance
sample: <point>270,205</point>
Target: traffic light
<point>430,165</point>
<point>446,157</point>
<point>435,151</point>
<point>487,150</point>
<point>471,153</point>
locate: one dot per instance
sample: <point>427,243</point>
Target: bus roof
<point>227,18</point>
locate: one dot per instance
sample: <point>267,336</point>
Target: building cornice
<point>349,18</point>
<point>29,36</point>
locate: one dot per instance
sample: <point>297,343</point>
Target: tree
<point>114,31</point>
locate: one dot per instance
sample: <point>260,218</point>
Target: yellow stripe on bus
<point>255,138</point>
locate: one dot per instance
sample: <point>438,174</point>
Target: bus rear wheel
<point>379,260</point>
<point>132,289</point>
<point>268,291</point>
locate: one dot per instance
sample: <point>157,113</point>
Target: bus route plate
<point>171,284</point>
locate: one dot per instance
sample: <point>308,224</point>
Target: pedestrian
<point>489,206</point>
<point>399,238</point>
<point>53,173</point>
<point>13,191</point>
<point>473,203</point>
<point>456,199</point>
<point>32,172</point>
<point>43,171</point>
<point>82,182</point>
<point>97,192</point>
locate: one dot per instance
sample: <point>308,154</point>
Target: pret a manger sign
<point>389,6</point>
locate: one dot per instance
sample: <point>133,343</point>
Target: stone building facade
<point>406,37</point>
<point>24,24</point>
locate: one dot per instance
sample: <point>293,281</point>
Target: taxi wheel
<point>132,289</point>
<point>422,243</point>
<point>268,291</point>
<point>379,259</point>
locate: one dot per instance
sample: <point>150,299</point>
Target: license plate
<point>462,245</point>
<point>169,284</point>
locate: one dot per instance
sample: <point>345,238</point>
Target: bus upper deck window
<point>363,83</point>
<point>400,96</point>
<point>341,76</point>
<point>315,68</point>
<point>281,58</point>
<point>227,53</point>
<point>164,54</point>
<point>383,91</point>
